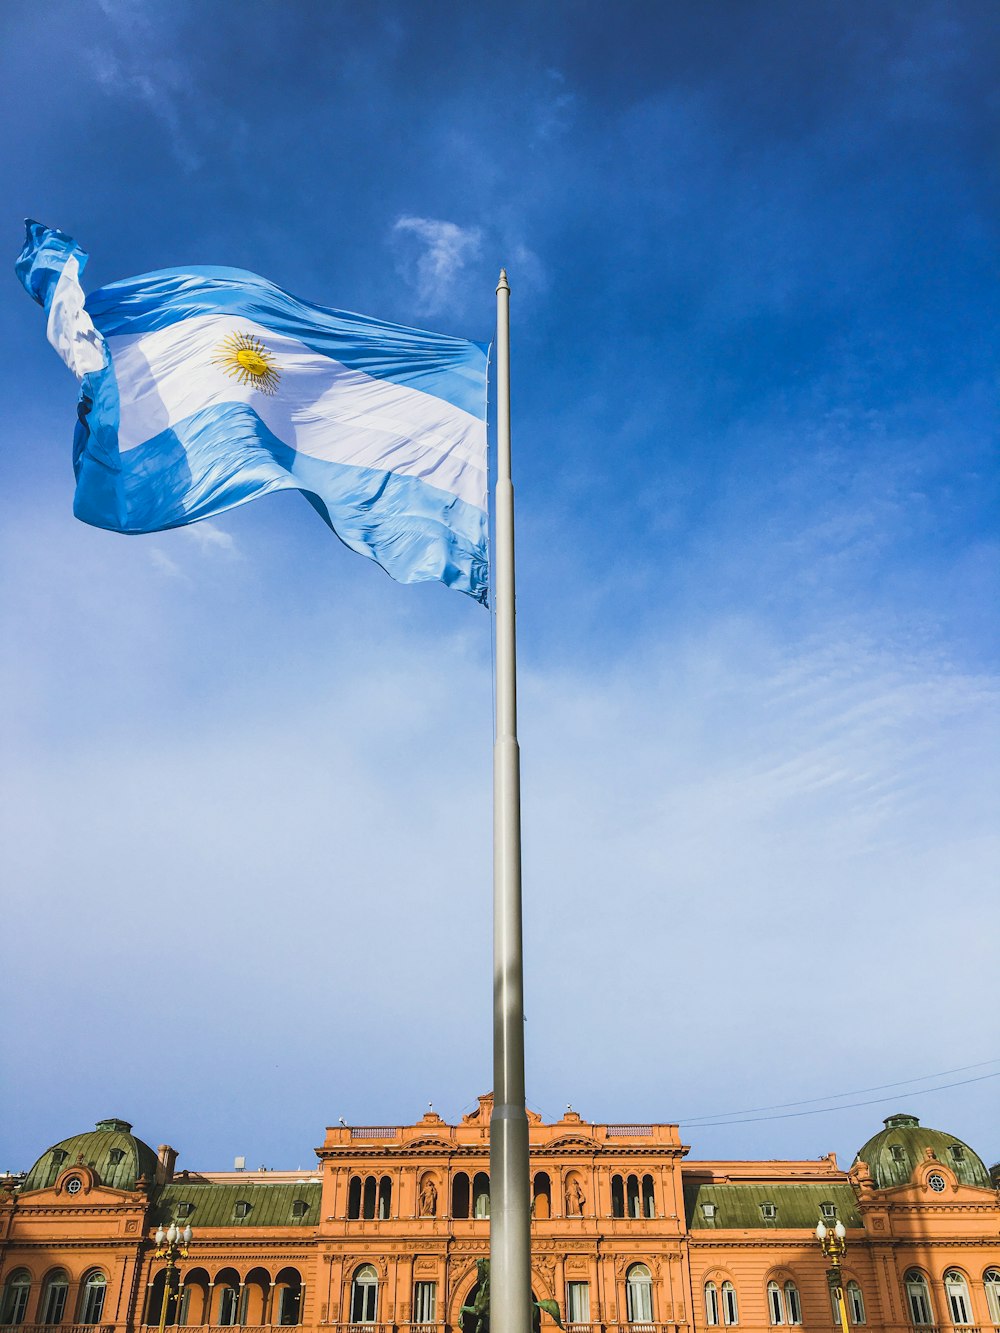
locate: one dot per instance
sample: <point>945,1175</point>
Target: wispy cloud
<point>159,559</point>
<point>159,91</point>
<point>434,256</point>
<point>209,537</point>
<point>136,58</point>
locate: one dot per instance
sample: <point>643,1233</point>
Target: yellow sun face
<point>245,358</point>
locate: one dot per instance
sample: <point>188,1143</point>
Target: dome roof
<point>110,1149</point>
<point>893,1154</point>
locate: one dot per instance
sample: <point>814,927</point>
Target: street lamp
<point>171,1245</point>
<point>833,1243</point>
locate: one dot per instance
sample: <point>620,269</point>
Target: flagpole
<point>510,1236</point>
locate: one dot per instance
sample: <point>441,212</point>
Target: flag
<point>202,388</point>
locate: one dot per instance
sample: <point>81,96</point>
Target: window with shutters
<point>424,1302</point>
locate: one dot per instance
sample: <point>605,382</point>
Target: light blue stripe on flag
<point>204,388</point>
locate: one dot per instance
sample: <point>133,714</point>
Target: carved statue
<point>576,1200</point>
<point>428,1201</point>
<point>480,1307</point>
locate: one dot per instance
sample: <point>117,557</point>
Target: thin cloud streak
<point>435,265</point>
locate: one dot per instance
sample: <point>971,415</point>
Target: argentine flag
<point>203,388</point>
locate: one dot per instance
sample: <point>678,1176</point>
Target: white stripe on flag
<point>321,408</point>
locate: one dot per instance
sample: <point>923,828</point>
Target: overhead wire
<point>836,1096</point>
<point>826,1110</point>
<point>749,1115</point>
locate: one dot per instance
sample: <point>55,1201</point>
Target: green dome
<point>892,1154</point>
<point>110,1149</point>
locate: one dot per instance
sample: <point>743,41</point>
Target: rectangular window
<point>288,1305</point>
<point>775,1308</point>
<point>639,1302</point>
<point>55,1303</point>
<point>792,1301</point>
<point>227,1306</point>
<point>424,1302</point>
<point>578,1302</point>
<point>920,1309</point>
<point>729,1311</point>
<point>959,1309</point>
<point>711,1304</point>
<point>855,1303</point>
<point>16,1302</point>
<point>93,1302</point>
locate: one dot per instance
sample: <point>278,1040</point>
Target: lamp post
<point>171,1245</point>
<point>833,1243</point>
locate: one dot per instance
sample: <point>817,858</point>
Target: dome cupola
<point>110,1150</point>
<point>893,1154</point>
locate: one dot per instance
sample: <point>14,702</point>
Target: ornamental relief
<point>542,1283</point>
<point>546,1267</point>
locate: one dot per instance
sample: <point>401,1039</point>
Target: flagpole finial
<point>503,284</point>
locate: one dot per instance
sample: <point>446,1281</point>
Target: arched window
<point>364,1295</point>
<point>991,1283</point>
<point>158,1293</point>
<point>793,1306</point>
<point>541,1195</point>
<point>368,1205</point>
<point>957,1290</point>
<point>617,1197</point>
<point>256,1288</point>
<point>385,1198</point>
<point>228,1306</point>
<point>648,1206</point>
<point>54,1297</point>
<point>288,1284</point>
<point>775,1306</point>
<point>632,1205</point>
<point>918,1298</point>
<point>194,1298</point>
<point>460,1195</point>
<point>16,1290</point>
<point>481,1195</point>
<point>639,1295</point>
<point>92,1293</point>
<point>855,1303</point>
<point>730,1310</point>
<point>227,1297</point>
<point>354,1199</point>
<point>711,1304</point>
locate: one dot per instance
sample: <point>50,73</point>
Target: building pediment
<point>79,1184</point>
<point>568,1143</point>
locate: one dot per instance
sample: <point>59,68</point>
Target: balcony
<point>63,1328</point>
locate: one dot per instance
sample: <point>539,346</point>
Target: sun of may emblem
<point>245,358</point>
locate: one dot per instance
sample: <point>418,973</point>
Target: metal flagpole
<point>510,1236</point>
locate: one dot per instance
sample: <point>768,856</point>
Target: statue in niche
<point>576,1200</point>
<point>428,1201</point>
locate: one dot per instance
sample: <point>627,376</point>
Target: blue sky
<point>246,810</point>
